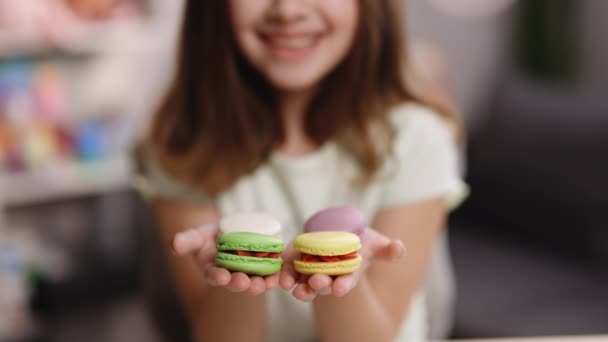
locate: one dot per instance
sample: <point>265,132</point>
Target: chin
<point>292,83</point>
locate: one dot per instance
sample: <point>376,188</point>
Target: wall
<point>476,48</point>
<point>595,45</point>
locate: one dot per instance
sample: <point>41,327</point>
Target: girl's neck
<point>293,107</point>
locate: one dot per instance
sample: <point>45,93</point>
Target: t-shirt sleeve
<point>152,182</point>
<point>426,160</point>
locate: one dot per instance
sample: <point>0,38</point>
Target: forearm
<point>358,316</point>
<point>227,316</point>
<point>214,313</point>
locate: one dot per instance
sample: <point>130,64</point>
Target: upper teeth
<point>293,43</point>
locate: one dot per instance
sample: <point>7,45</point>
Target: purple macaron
<point>343,219</point>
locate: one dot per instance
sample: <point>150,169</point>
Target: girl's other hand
<point>376,247</point>
<point>200,244</point>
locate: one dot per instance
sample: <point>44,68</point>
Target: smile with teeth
<point>292,42</point>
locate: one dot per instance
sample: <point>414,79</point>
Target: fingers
<point>271,281</point>
<point>321,284</point>
<point>254,285</point>
<point>287,281</point>
<point>217,276</point>
<point>200,243</point>
<point>308,288</point>
<point>379,246</point>
<point>343,284</point>
<point>304,292</point>
<point>206,256</point>
<point>257,286</point>
<point>239,282</point>
<point>393,251</point>
<point>192,240</point>
<point>373,243</point>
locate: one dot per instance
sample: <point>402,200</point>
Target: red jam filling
<point>255,254</point>
<point>326,258</point>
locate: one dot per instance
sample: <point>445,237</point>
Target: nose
<point>285,11</point>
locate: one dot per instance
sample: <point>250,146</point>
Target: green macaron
<point>250,253</point>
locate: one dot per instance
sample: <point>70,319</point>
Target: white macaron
<point>254,222</point>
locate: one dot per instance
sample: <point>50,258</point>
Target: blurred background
<point>79,78</point>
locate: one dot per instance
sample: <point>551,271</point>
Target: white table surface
<point>589,338</point>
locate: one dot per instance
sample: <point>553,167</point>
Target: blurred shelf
<point>14,44</point>
<point>65,180</point>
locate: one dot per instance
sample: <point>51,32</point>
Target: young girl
<point>289,107</point>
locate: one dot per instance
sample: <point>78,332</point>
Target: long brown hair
<point>219,120</point>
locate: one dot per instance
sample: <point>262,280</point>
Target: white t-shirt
<point>425,166</point>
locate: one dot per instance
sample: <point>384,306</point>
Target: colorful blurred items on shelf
<point>40,84</point>
<point>33,115</point>
<point>15,75</point>
<point>3,154</point>
<point>15,111</point>
<point>4,150</point>
<point>10,156</point>
<point>7,144</point>
<point>50,92</point>
<point>39,145</point>
<point>92,140</point>
<point>15,90</point>
<point>65,142</point>
<point>15,163</point>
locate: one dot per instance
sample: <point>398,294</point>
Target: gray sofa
<point>530,246</point>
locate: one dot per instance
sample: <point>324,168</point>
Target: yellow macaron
<point>330,253</point>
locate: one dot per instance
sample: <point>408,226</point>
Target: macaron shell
<point>249,265</point>
<point>255,222</point>
<point>328,268</point>
<point>327,243</point>
<point>247,241</point>
<point>342,218</point>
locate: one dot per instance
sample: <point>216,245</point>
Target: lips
<point>291,43</point>
<point>291,46</point>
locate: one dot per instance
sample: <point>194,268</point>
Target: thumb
<point>192,240</point>
<point>379,246</point>
<point>394,250</point>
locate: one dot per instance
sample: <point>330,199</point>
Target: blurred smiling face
<point>294,44</point>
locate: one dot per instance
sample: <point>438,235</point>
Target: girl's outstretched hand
<point>375,247</point>
<point>200,244</point>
